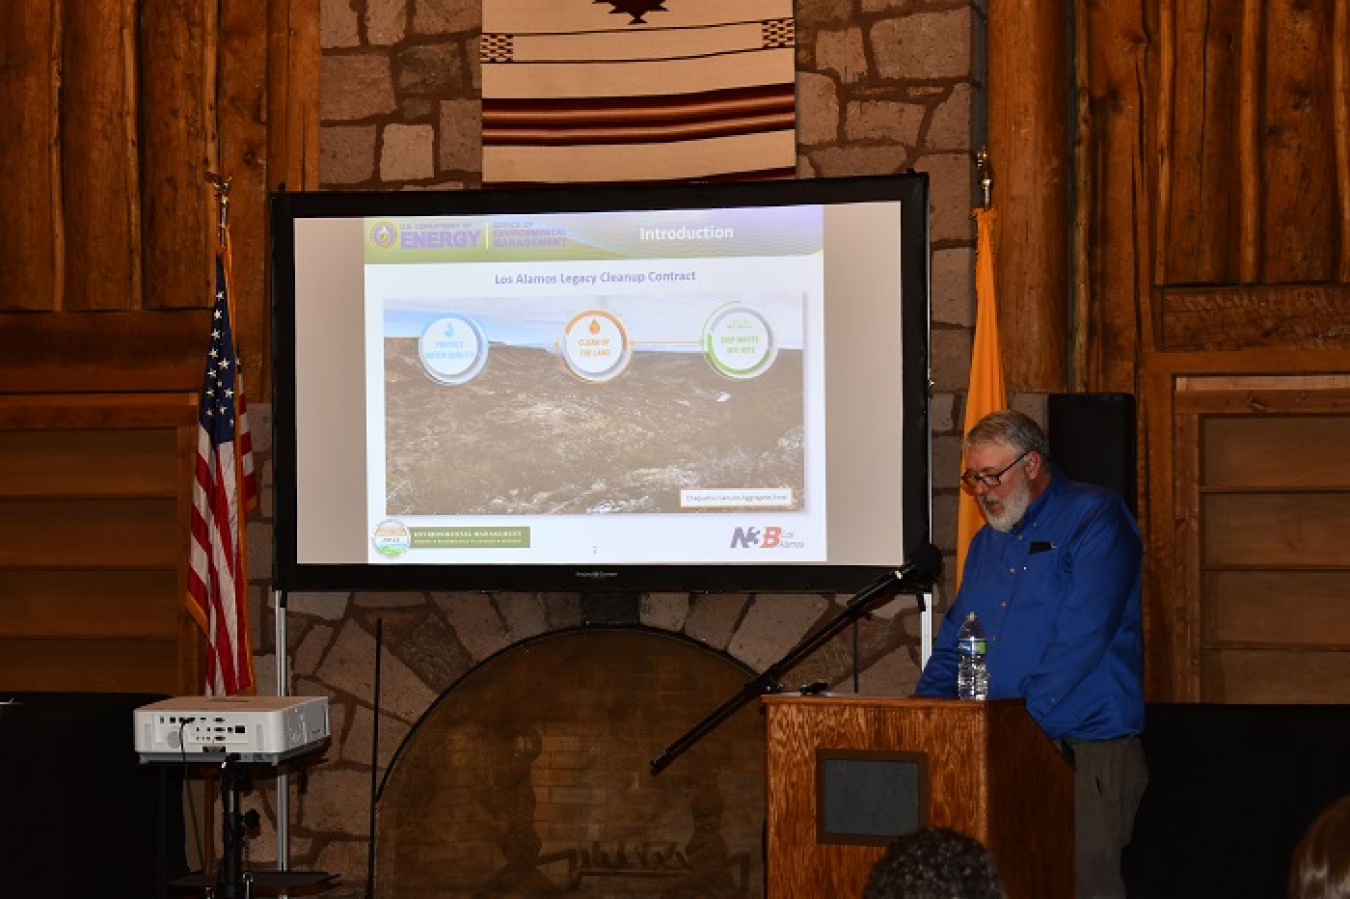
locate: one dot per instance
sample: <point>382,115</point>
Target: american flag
<point>226,486</point>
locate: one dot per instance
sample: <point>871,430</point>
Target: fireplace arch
<point>530,776</point>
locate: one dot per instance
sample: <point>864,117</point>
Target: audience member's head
<point>1320,868</point>
<point>934,864</point>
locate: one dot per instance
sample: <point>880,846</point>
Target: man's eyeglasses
<point>973,479</point>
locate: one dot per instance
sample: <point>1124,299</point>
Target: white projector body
<point>266,729</point>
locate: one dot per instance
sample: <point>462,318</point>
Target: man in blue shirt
<point>1055,580</point>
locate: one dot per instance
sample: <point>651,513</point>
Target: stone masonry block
<point>349,666</point>
<point>386,21</point>
<point>887,120</point>
<point>773,625</point>
<point>461,136</point>
<point>407,152</point>
<point>841,52</point>
<point>953,299</point>
<point>368,87</point>
<point>924,46</point>
<point>338,24</point>
<point>817,109</point>
<point>476,622</point>
<point>713,616</point>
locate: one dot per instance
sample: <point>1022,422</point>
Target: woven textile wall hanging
<point>576,91</point>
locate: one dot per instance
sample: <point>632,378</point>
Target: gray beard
<point>1014,509</point>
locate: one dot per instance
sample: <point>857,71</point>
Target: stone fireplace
<point>516,735</point>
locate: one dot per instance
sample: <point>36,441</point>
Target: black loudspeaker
<point>80,817</point>
<point>1229,782</point>
<point>1092,439</point>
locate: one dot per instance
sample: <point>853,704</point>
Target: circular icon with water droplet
<point>595,346</point>
<point>453,349</point>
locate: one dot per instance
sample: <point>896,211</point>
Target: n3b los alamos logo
<point>769,537</point>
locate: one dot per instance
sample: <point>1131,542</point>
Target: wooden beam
<point>28,109</point>
<point>103,351</point>
<point>240,107</point>
<point>179,235</point>
<point>1111,323</point>
<point>100,172</point>
<point>1256,317</point>
<point>1029,155</point>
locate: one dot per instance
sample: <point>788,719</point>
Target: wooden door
<point>1267,568</point>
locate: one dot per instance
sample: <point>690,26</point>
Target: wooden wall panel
<point>1272,316</point>
<point>99,213</point>
<point>1293,609</point>
<point>114,114</point>
<point>1029,156</point>
<point>114,666</point>
<point>67,603</point>
<point>57,463</point>
<point>1239,676</point>
<point>1281,530</point>
<point>104,351</point>
<point>1109,324</point>
<point>1255,451</point>
<point>93,543</point>
<point>178,235</point>
<point>90,533</point>
<point>1199,221</point>
<point>1247,146</point>
<point>1298,174</point>
<point>242,155</point>
<point>27,192</point>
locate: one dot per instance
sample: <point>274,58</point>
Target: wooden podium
<point>982,768</point>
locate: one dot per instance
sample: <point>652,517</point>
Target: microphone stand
<point>767,682</point>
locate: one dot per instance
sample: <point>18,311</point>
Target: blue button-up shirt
<point>1059,600</point>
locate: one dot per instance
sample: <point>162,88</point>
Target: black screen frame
<point>289,574</point>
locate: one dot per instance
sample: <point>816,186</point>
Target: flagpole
<point>985,389</point>
<point>283,689</point>
<point>986,179</point>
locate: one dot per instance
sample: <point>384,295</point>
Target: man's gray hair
<point>1012,428</point>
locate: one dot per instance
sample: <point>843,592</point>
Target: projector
<point>267,729</point>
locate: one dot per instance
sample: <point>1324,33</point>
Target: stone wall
<point>883,86</point>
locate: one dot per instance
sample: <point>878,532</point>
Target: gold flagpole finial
<point>222,188</point>
<point>986,178</point>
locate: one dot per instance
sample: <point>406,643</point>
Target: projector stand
<point>231,881</point>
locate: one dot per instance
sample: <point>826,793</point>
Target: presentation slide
<point>566,368</point>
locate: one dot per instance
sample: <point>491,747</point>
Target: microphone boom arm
<point>768,682</point>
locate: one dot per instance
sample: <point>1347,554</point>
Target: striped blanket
<point>589,91</point>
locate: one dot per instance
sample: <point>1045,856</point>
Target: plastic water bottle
<point>972,678</point>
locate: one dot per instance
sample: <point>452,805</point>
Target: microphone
<point>923,566</point>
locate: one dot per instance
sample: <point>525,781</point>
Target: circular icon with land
<point>453,349</point>
<point>391,538</point>
<point>595,346</point>
<point>738,342</point>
